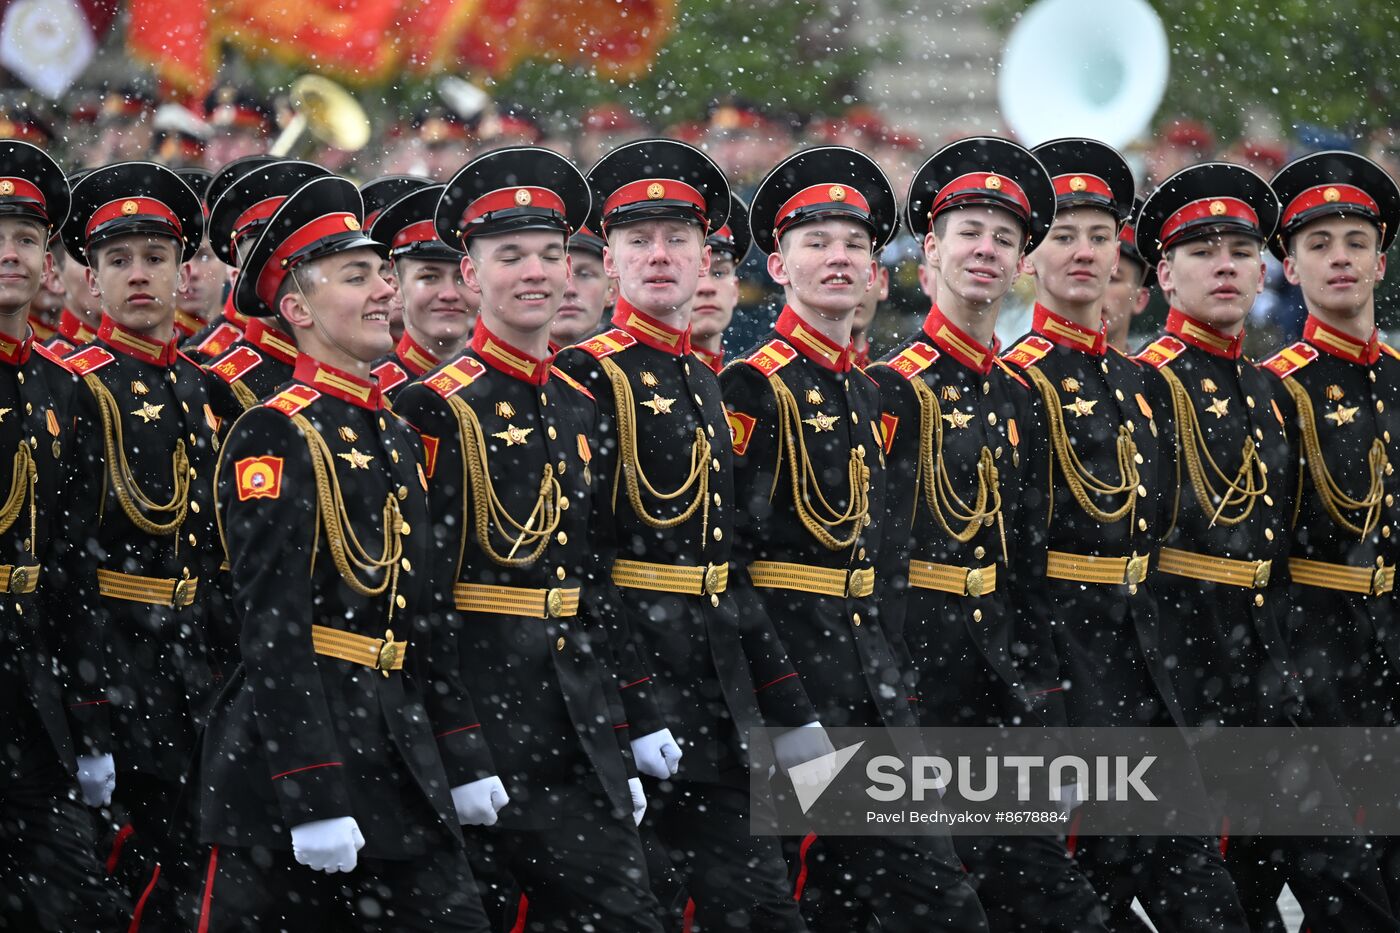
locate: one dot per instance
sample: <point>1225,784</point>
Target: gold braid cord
<point>1249,482</point>
<point>1334,500</point>
<point>23,482</point>
<point>133,501</point>
<point>243,394</point>
<point>631,467</point>
<point>1081,482</point>
<point>805,487</point>
<point>937,486</point>
<point>487,509</point>
<point>348,554</point>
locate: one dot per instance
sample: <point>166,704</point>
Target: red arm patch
<point>740,429</point>
<point>258,478</point>
<point>888,424</point>
<point>430,451</point>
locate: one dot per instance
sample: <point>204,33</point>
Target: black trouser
<point>49,879</point>
<point>145,842</point>
<point>1030,883</point>
<point>582,873</point>
<point>1180,881</point>
<point>262,890</point>
<point>738,880</point>
<point>1335,878</point>
<point>907,883</point>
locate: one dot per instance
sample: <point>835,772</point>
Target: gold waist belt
<point>947,578</point>
<point>15,579</point>
<point>516,600</point>
<point>155,591</point>
<point>1368,581</point>
<point>1084,568</point>
<point>381,654</point>
<point>1251,574</point>
<point>824,581</point>
<point>709,580</point>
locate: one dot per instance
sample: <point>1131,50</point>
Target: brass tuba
<point>322,112</point>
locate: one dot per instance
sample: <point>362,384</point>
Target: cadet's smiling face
<point>438,307</point>
<point>976,251</point>
<point>521,277</point>
<point>657,263</point>
<point>24,260</point>
<point>1075,261</point>
<point>715,298</point>
<point>1337,262</point>
<point>341,308</point>
<point>137,276</point>
<point>825,266</point>
<point>1214,279</point>
<point>589,293</point>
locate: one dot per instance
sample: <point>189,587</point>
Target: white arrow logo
<point>811,778</point>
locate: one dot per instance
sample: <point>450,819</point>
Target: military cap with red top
<point>1087,173</point>
<point>321,218</point>
<point>824,183</point>
<point>983,171</point>
<point>407,227</point>
<point>734,237</point>
<point>132,198</point>
<point>380,192</point>
<point>1206,199</point>
<point>1335,184</point>
<point>32,185</point>
<point>241,207</point>
<point>1127,244</point>
<point>510,190</point>
<point>659,179</point>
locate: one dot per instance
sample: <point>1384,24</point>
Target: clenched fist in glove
<point>657,755</point>
<point>328,845</point>
<point>478,802</point>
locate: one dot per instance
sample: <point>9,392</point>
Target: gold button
<point>1268,534</point>
<point>563,505</point>
<point>979,552</point>
<point>991,417</point>
<point>1386,436</point>
<point>860,555</point>
<point>1372,374</point>
<point>383,425</point>
<point>716,498</point>
<point>1268,500</point>
<point>1118,394</point>
<point>855,617</point>
<point>986,388</point>
<point>21,378</point>
<point>562,537</point>
<point>170,374</point>
<point>1380,406</point>
<point>543,400</point>
<point>1142,524</point>
<point>560,572</point>
<point>404,529</point>
<point>1259,433</point>
<point>185,406</point>
<point>698,399</point>
<point>855,419</point>
<point>1258,599</point>
<point>406,565</point>
<point>193,474</point>
<point>1104,366</point>
<point>403,492</point>
<point>1142,491</point>
<point>714,462</point>
<point>562,467</point>
<point>1385,531</point>
<point>714,600</point>
<point>193,540</point>
<point>977,615</point>
<point>400,601</point>
<point>194,507</point>
<point>719,534</point>
<point>28,408</point>
<point>685,368</point>
<point>1389,500</point>
<point>193,439</point>
<point>1249,400</point>
<point>552,433</point>
<point>559,645</point>
<point>860,450</point>
<point>394,456</point>
<point>710,429</point>
<point>998,452</point>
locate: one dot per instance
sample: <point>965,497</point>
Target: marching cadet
<point>952,423</point>
<point>340,743</point>
<point>379,193</point>
<point>717,295</point>
<point>808,483</point>
<point>1341,402</point>
<point>662,450</point>
<point>54,737</point>
<point>140,511</point>
<point>438,308</point>
<point>1104,427</point>
<point>1129,287</point>
<point>219,334</point>
<point>259,361</point>
<point>590,292</point>
<point>1204,229</point>
<point>512,496</point>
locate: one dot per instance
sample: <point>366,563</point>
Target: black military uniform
<point>141,515</point>
<point>733,239</point>
<point>952,424</point>
<point>1103,428</point>
<point>664,455</point>
<point>1341,403</point>
<point>513,493</point>
<point>52,691</point>
<point>406,227</point>
<point>339,707</point>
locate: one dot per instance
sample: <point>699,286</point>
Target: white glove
<point>639,799</point>
<point>657,755</point>
<point>328,845</point>
<point>478,803</point>
<point>97,778</point>
<point>796,746</point>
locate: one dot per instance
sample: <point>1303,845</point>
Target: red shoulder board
<point>1289,360</point>
<point>89,360</point>
<point>50,355</point>
<point>1001,364</point>
<point>237,364</point>
<point>389,374</point>
<point>291,401</point>
<point>58,346</point>
<point>914,359</point>
<point>223,337</point>
<point>1162,351</point>
<point>607,343</point>
<point>569,381</point>
<point>1028,352</point>
<point>771,357</point>
<point>456,376</point>
<point>1387,348</point>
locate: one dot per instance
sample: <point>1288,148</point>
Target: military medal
<point>958,419</point>
<point>513,435</point>
<point>1342,415</point>
<point>148,412</point>
<point>505,410</point>
<point>659,405</point>
<point>347,434</point>
<point>649,379</point>
<point>1082,407</point>
<point>814,397</point>
<point>357,460</point>
<point>1219,407</point>
<point>821,422</point>
<point>138,387</point>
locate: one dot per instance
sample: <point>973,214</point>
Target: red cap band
<point>279,263</point>
<point>509,198</point>
<point>653,189</point>
<point>828,194</point>
<point>424,231</point>
<point>723,233</point>
<point>1075,185</point>
<point>966,187</point>
<point>11,187</point>
<point>1223,210</point>
<point>1128,235</point>
<point>1338,195</point>
<point>137,208</point>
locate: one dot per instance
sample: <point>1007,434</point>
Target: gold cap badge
<point>993,182</point>
<point>1077,184</point>
<point>1217,208</point>
<point>7,187</point>
<point>351,223</point>
<point>129,208</point>
<point>1331,195</point>
<point>836,193</point>
<point>656,190</point>
<point>522,197</point>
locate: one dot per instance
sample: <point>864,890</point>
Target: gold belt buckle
<point>1261,572</point>
<point>183,595</point>
<point>975,582</point>
<point>851,581</point>
<point>18,578</point>
<point>388,654</point>
<point>554,604</point>
<point>1378,581</point>
<point>1137,569</point>
<point>711,580</point>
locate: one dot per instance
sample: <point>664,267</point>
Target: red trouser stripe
<point>1072,840</point>
<point>115,855</point>
<point>521,910</point>
<point>1224,835</point>
<point>208,890</point>
<point>807,841</point>
<point>688,921</point>
<point>141,904</point>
